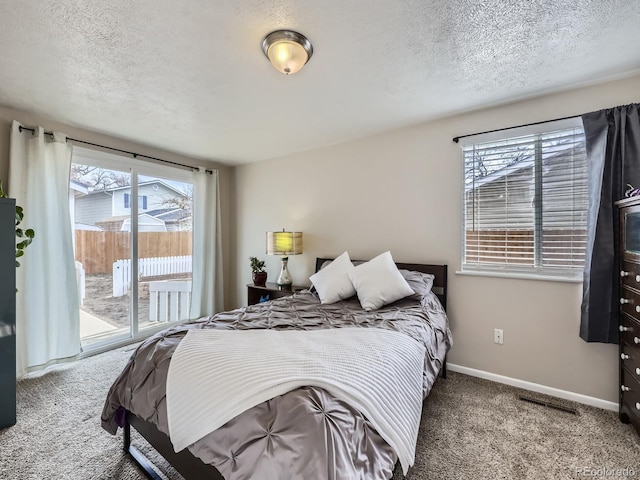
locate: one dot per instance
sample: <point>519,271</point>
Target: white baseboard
<point>535,387</point>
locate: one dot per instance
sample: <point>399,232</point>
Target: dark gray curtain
<point>613,152</point>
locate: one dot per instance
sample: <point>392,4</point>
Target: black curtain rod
<point>456,139</point>
<point>133,154</point>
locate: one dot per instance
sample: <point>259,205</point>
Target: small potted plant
<point>259,274</point>
<point>23,237</point>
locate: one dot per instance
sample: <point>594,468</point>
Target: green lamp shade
<point>284,243</point>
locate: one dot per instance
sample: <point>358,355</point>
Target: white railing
<point>147,267</point>
<point>80,281</point>
<point>169,300</point>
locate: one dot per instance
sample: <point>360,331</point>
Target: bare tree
<point>182,202</point>
<point>97,178</point>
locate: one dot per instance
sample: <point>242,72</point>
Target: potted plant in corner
<point>259,274</point>
<point>23,237</point>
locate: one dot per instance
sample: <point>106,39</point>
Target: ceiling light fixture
<point>288,51</point>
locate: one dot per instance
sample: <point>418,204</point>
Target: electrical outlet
<point>498,336</point>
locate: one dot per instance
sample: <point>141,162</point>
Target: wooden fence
<point>559,247</point>
<point>97,251</point>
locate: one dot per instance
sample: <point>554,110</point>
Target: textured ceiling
<point>189,75</point>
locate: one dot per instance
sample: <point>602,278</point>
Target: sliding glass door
<point>164,242</point>
<point>132,241</point>
<point>102,250</point>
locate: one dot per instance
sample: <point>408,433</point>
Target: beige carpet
<point>471,429</point>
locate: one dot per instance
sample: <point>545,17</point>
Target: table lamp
<point>284,243</point>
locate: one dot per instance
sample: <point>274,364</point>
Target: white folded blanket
<point>215,375</point>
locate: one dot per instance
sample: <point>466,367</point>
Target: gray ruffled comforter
<point>306,433</point>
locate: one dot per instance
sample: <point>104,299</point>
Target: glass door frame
<point>135,167</point>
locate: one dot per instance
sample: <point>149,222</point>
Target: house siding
<point>156,199</point>
<point>92,208</point>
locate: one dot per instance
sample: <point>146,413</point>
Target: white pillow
<point>379,282</point>
<point>332,282</point>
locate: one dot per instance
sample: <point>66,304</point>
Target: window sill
<point>519,276</point>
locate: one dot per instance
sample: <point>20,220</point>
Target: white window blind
<point>525,204</point>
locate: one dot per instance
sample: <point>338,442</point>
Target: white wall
<point>402,191</point>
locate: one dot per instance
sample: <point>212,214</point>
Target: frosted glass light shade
<point>284,243</point>
<point>287,51</point>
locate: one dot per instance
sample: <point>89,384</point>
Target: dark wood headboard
<point>438,271</point>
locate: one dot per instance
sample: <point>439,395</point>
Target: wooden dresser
<point>630,310</point>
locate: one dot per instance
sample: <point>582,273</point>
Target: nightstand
<point>257,294</point>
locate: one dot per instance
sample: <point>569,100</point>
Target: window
<point>525,203</point>
<point>142,200</point>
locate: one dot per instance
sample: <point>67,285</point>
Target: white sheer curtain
<point>47,312</point>
<point>207,288</point>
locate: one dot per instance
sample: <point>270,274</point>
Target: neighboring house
<point>500,208</point>
<point>175,219</point>
<point>508,193</point>
<point>76,190</point>
<point>93,207</point>
<point>122,223</point>
<point>158,203</point>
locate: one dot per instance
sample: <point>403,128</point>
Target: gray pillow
<point>419,282</point>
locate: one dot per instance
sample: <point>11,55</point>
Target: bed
<point>305,433</point>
